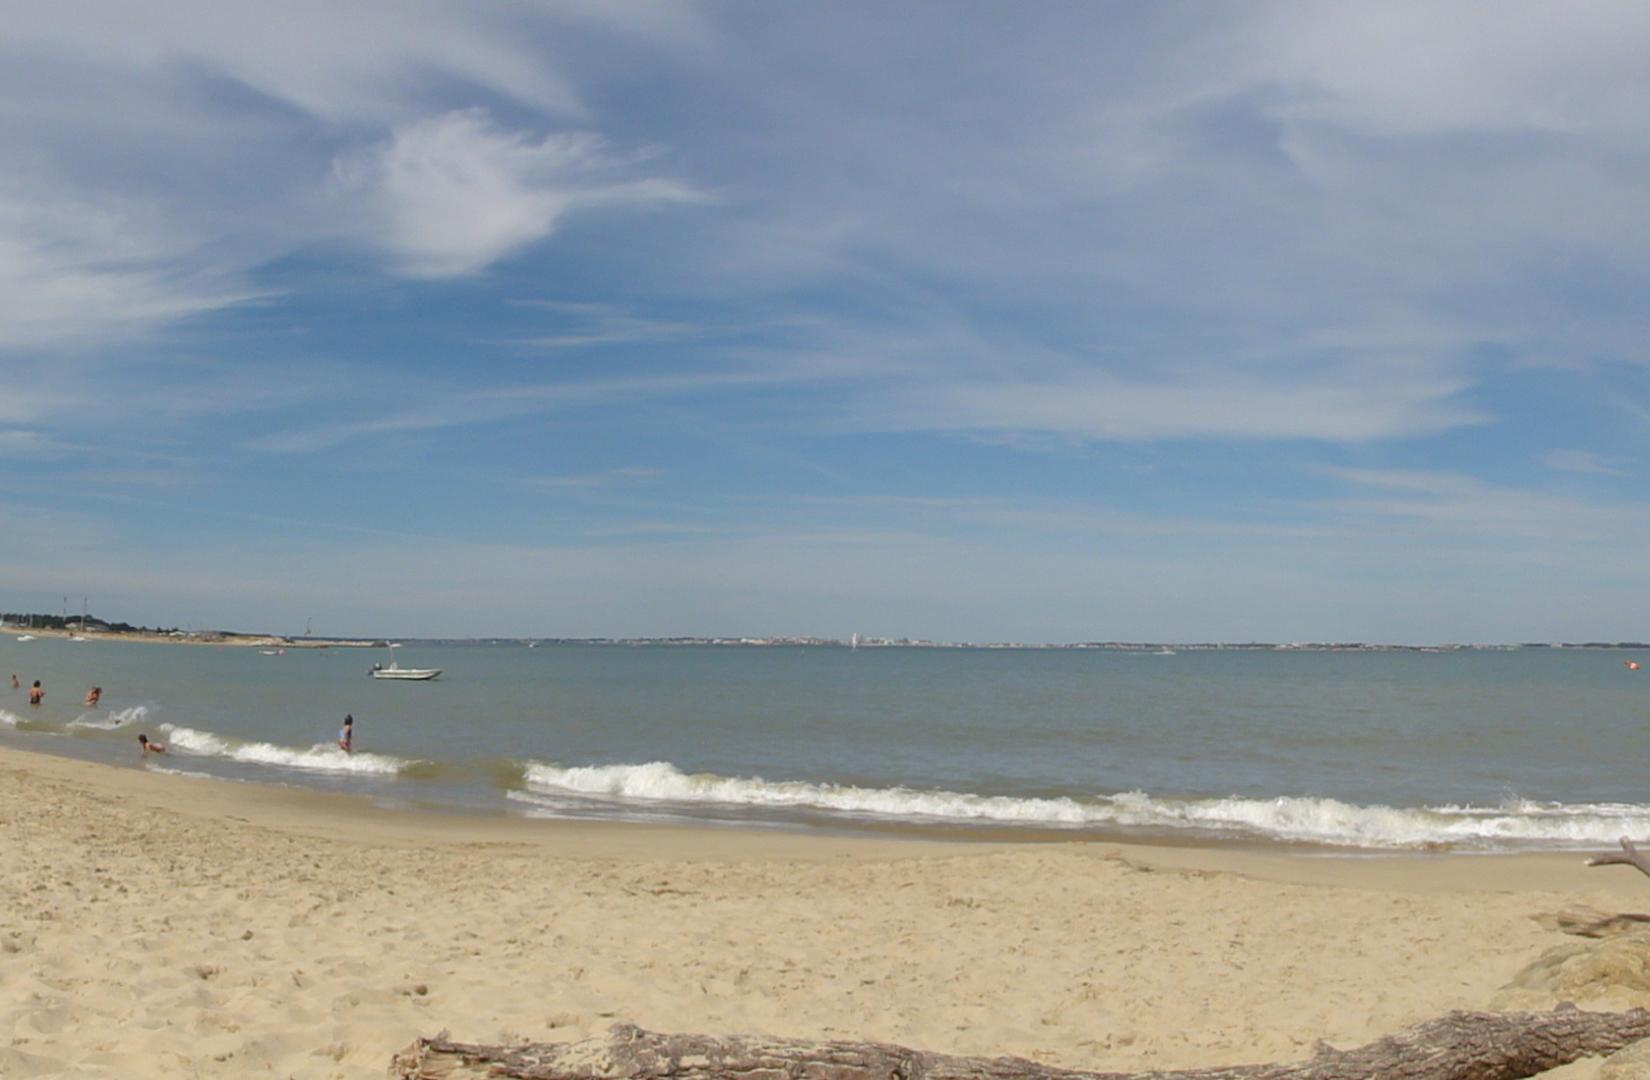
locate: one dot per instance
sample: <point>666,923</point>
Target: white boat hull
<point>416,674</point>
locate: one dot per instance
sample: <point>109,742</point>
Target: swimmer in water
<point>346,734</point>
<point>37,693</point>
<point>149,746</point>
<point>15,685</point>
<point>93,695</point>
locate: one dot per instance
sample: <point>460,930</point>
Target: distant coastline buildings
<point>18,622</point>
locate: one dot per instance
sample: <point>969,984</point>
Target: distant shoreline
<point>1149,647</point>
<point>1162,648</point>
<point>278,641</point>
<point>206,637</point>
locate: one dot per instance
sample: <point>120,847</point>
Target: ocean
<point>1480,750</point>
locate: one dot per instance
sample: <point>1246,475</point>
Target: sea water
<point>1374,750</point>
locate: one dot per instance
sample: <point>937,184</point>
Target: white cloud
<point>1218,405</point>
<point>155,164</point>
<point>83,270</point>
<point>1414,67</point>
<point>342,63</point>
<point>448,195</point>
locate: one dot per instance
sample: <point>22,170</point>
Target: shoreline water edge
<point>1358,753</point>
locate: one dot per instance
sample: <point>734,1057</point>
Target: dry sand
<point>158,925</point>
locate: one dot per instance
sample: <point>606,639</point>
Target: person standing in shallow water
<point>346,734</point>
<point>37,693</point>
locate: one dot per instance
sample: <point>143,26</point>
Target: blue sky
<point>958,320</point>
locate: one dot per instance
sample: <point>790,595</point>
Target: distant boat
<point>269,652</point>
<point>393,670</point>
<point>1164,652</point>
<point>25,637</point>
<point>79,637</point>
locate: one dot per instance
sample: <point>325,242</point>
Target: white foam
<point>322,757</point>
<point>660,780</point>
<point>1334,822</point>
<point>192,774</point>
<point>115,718</point>
<point>9,719</point>
<point>191,741</point>
<point>1516,822</point>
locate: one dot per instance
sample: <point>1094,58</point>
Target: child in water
<point>37,693</point>
<point>148,746</point>
<point>93,695</point>
<point>346,734</point>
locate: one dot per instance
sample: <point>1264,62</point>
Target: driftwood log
<point>1627,856</point>
<point>1458,1046</point>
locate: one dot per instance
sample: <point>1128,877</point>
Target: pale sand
<point>165,926</point>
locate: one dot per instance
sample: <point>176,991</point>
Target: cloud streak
<point>244,136</point>
<point>1140,295</point>
<point>449,195</point>
<point>1327,406</point>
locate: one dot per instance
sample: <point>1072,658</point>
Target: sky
<point>962,321</point>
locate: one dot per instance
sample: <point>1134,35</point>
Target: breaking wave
<point>1514,823</point>
<point>114,718</point>
<point>9,719</point>
<point>321,757</point>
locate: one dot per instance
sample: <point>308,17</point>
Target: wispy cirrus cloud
<point>246,135</point>
<point>974,254</point>
<point>1330,406</point>
<point>1453,506</point>
<point>81,271</point>
<point>451,194</point>
<point>590,325</point>
<point>607,478</point>
<point>439,407</point>
<point>1584,461</point>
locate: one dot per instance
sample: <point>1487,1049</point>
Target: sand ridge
<point>155,925</point>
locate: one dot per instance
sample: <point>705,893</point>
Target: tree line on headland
<point>75,622</point>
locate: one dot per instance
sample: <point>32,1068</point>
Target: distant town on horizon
<point>87,624</point>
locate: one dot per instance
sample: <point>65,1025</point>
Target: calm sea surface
<point>1473,750</point>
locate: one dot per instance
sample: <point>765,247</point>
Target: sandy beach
<point>159,925</point>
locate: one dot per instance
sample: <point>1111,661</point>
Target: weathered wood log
<point>1590,922</point>
<point>1628,856</point>
<point>1457,1046</point>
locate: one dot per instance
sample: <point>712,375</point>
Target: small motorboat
<point>392,670</point>
<point>25,637</point>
